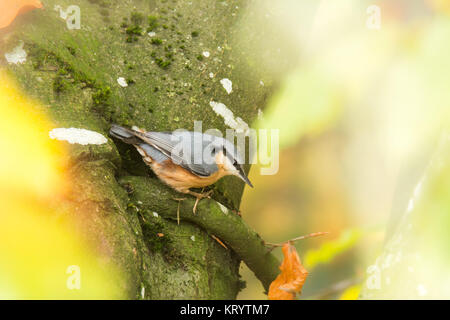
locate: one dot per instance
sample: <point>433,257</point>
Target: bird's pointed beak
<point>244,178</point>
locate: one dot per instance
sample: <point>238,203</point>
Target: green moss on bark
<point>73,74</point>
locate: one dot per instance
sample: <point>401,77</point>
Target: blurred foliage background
<point>361,102</point>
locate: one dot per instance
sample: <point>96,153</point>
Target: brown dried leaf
<point>292,277</point>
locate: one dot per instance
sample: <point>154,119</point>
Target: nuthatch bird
<point>174,157</point>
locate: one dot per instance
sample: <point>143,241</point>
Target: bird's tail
<point>124,134</point>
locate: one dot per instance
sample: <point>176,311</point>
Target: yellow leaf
<point>42,256</point>
<point>351,293</point>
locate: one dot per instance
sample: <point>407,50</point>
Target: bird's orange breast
<point>181,179</point>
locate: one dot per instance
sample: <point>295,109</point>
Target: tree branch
<point>149,194</point>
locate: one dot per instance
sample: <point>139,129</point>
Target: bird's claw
<point>199,197</point>
<point>207,194</point>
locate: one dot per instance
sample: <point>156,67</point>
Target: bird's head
<point>227,156</point>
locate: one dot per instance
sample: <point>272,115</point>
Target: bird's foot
<point>199,197</point>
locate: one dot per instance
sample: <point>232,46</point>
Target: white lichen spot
<point>227,85</point>
<point>206,54</point>
<point>261,83</point>
<point>223,208</point>
<point>421,290</point>
<point>77,136</point>
<point>122,82</point>
<point>235,123</point>
<point>17,55</point>
<point>193,238</point>
<point>143,292</point>
<point>139,202</point>
<point>211,75</point>
<point>152,33</point>
<point>155,214</point>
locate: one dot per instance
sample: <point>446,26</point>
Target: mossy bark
<point>73,75</point>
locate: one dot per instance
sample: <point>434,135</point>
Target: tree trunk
<point>117,203</point>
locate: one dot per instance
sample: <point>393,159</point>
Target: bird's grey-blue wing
<point>169,145</point>
<point>153,153</point>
